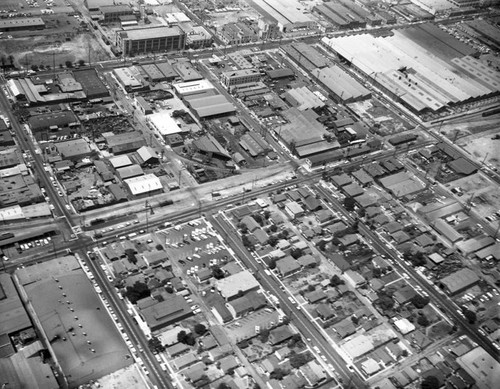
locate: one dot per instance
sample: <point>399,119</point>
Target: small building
<point>237,284</point>
<point>148,184</point>
<point>280,334</point>
<point>354,278</point>
<point>287,266</point>
<point>294,209</point>
<point>73,149</point>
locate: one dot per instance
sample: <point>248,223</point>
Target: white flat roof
<point>143,184</point>
<point>164,123</point>
<point>190,87</point>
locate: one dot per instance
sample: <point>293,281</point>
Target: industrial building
<point>290,15</point>
<point>342,86</point>
<point>19,24</point>
<point>52,121</point>
<point>91,84</point>
<point>112,13</point>
<point>237,284</point>
<point>63,302</point>
<point>125,142</point>
<point>482,367</point>
<point>170,310</point>
<point>210,106</point>
<point>148,185</point>
<point>164,124</point>
<point>423,67</point>
<point>150,40</point>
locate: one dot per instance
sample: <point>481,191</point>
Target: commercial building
<point>239,77</point>
<point>482,367</point>
<point>193,87</point>
<point>197,37</point>
<point>303,98</point>
<point>290,15</point>
<point>157,314</point>
<point>63,305</point>
<point>150,40</point>
<point>237,285</point>
<point>153,73</point>
<point>73,149</point>
<point>209,146</point>
<point>148,184</point>
<point>129,79</point>
<point>459,281</point>
<point>17,24</point>
<point>112,13</point>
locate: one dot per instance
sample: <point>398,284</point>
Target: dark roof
<point>46,120</point>
<point>209,144</point>
<point>91,83</point>
<point>280,73</point>
<point>462,166</point>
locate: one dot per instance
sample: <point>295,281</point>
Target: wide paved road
<point>299,319</point>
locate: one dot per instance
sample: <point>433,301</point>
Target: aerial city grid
<point>243,194</point>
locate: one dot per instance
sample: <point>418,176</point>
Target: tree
<point>34,68</point>
<point>349,204</point>
<point>272,241</point>
<point>267,214</point>
<point>68,64</point>
<point>423,321</point>
<point>296,253</point>
<point>258,219</point>
<point>200,329</point>
<point>336,280</point>
<point>272,264</point>
<point>169,289</point>
<point>159,247</point>
<point>377,272</point>
<point>430,382</point>
<point>81,62</point>
<point>298,360</point>
<point>155,345</point>
<point>223,385</point>
<point>278,374</point>
<point>419,301</point>
<point>185,338</point>
<point>273,228</point>
<point>385,301</point>
<point>138,291</point>
<point>246,242</point>
<point>217,272</point>
<point>311,288</point>
<point>264,335</point>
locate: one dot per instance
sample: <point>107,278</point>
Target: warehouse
<point>153,74</point>
<point>18,24</point>
<point>193,87</point>
<point>290,15</point>
<point>91,83</point>
<point>52,121</point>
<point>69,332</point>
<point>164,124</point>
<point>129,172</point>
<point>167,70</point>
<point>125,142</point>
<point>73,149</point>
<point>210,106</point>
<point>342,86</point>
<point>254,144</point>
<point>459,281</point>
<point>303,98</point>
<point>147,184</point>
<point>424,76</point>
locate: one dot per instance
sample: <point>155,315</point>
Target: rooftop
<point>55,286</point>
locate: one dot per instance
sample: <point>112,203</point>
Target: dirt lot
<point>484,147</point>
<point>46,50</point>
<point>486,195</point>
